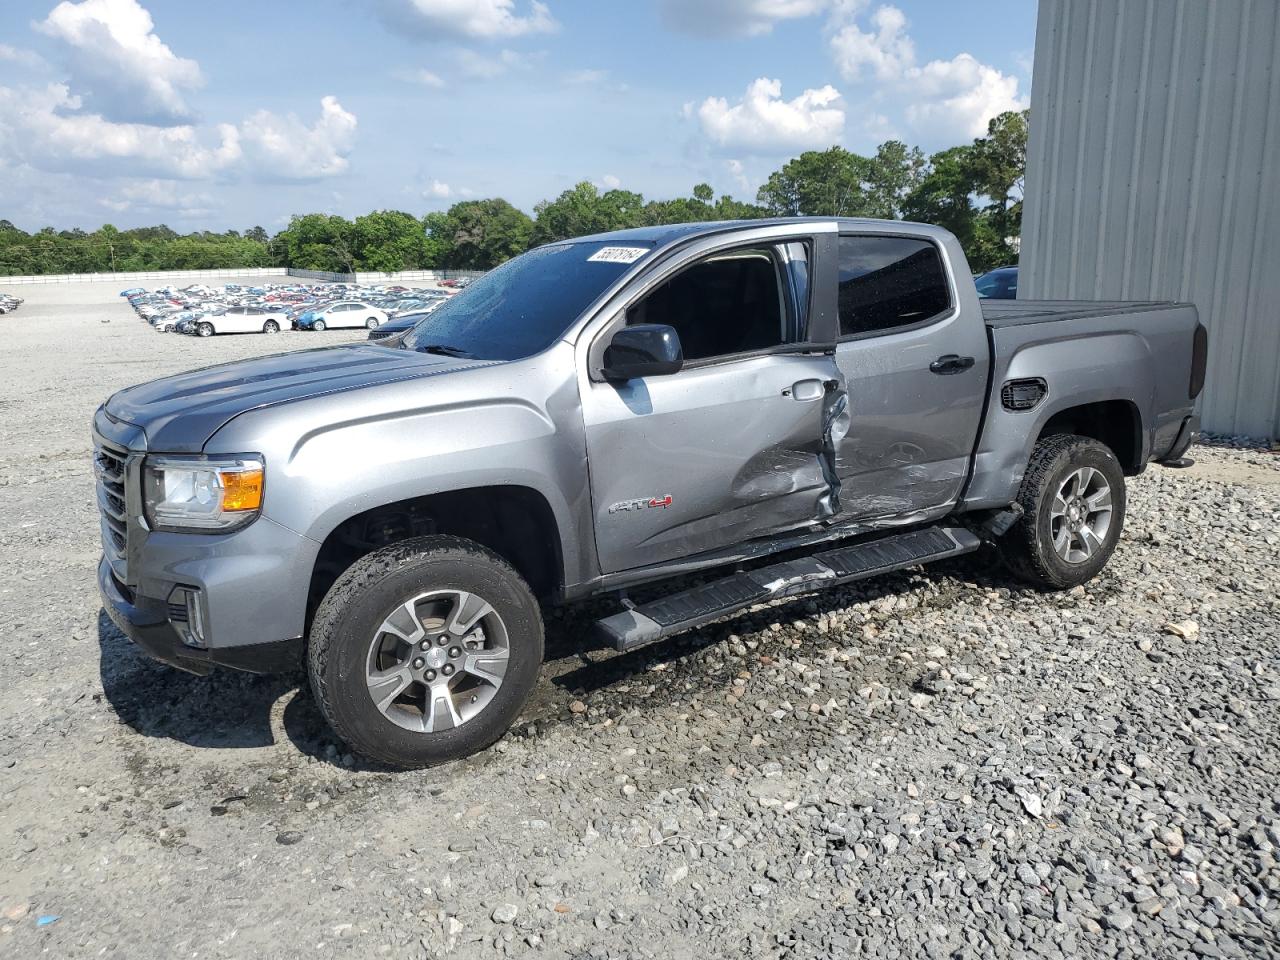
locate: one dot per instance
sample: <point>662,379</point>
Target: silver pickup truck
<point>772,406</point>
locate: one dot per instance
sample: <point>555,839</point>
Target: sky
<point>231,114</point>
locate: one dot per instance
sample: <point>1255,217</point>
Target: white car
<point>242,320</point>
<point>342,313</point>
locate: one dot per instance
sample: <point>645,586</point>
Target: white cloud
<point>421,76</point>
<point>47,129</point>
<point>476,19</point>
<point>24,58</point>
<point>39,126</point>
<point>588,78</point>
<point>945,98</point>
<point>739,174</point>
<point>159,195</point>
<point>115,53</point>
<point>762,122</point>
<point>438,191</point>
<point>962,94</point>
<point>609,182</point>
<point>735,18</point>
<point>886,51</point>
<point>285,148</point>
<point>486,66</point>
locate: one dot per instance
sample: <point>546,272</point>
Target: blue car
<point>132,292</point>
<point>998,284</point>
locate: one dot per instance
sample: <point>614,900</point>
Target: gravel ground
<point>930,764</point>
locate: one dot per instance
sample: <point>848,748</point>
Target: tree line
<point>973,190</point>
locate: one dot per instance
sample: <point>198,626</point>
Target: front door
<point>915,364</point>
<point>729,448</point>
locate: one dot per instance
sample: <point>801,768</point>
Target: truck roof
<point>663,234</point>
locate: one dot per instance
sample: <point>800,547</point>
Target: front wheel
<point>205,330</point>
<point>425,651</point>
<point>271,327</point>
<point>371,323</point>
<point>1073,503</point>
<point>318,325</point>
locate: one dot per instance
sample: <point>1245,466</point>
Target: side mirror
<point>645,350</point>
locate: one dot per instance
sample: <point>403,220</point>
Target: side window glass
<point>889,282</point>
<point>730,302</point>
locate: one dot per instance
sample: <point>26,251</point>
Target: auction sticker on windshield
<point>619,254</point>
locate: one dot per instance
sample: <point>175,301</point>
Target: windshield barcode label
<point>619,254</point>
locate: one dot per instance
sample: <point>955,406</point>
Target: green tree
<point>388,240</point>
<point>1000,166</point>
<point>584,210</point>
<point>317,241</point>
<point>945,196</point>
<point>891,175</point>
<point>481,234</point>
<point>826,183</point>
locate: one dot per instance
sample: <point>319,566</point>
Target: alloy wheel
<point>437,660</point>
<point>1080,515</point>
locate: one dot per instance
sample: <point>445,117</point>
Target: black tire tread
<point>366,573</point>
<point>1019,544</point>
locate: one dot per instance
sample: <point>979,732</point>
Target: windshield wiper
<point>446,351</point>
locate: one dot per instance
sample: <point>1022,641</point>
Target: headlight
<point>197,494</point>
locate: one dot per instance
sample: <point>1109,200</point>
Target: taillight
<point>1199,360</point>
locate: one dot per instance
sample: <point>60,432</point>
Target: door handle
<point>951,363</point>
<point>805,390</point>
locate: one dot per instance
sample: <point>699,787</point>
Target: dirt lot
<point>932,764</point>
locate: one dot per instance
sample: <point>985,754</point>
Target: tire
<point>205,330</point>
<point>371,323</point>
<point>1034,547</point>
<point>318,325</point>
<point>271,327</point>
<point>429,576</point>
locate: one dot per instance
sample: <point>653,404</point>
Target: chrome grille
<point>109,468</point>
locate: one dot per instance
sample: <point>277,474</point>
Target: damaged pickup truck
<point>774,406</point>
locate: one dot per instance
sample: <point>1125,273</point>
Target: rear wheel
<point>1073,504</point>
<point>271,327</point>
<point>425,651</point>
<point>318,325</point>
<point>205,329</point>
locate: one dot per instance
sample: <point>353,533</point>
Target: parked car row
<point>9,303</point>
<point>204,311</point>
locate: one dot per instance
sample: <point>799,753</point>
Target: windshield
<point>521,307</point>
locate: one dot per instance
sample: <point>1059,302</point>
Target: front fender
<point>513,424</point>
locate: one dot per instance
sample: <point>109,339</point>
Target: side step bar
<point>692,608</point>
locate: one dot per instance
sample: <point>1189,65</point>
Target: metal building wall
<point>1153,172</point>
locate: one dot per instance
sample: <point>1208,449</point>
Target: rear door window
<point>889,283</point>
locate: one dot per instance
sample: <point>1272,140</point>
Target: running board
<point>701,605</point>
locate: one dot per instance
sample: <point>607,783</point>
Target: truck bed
<point>1015,313</point>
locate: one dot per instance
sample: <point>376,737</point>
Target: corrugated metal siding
<point>1153,172</point>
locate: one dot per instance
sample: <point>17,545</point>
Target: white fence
<point>169,276</point>
<point>165,275</point>
<point>403,276</point>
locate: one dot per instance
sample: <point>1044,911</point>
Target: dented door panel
<point>708,457</point>
<point>911,431</point>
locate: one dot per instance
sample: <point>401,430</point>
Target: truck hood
<point>179,414</point>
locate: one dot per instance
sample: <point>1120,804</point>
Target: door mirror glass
<point>643,350</point>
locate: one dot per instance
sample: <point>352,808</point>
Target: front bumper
<point>145,621</point>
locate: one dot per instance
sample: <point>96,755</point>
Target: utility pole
<point>111,247</point>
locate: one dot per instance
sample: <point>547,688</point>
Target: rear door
<point>730,448</point>
<point>233,321</point>
<point>913,352</point>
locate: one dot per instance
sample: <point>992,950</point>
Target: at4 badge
<point>642,503</point>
